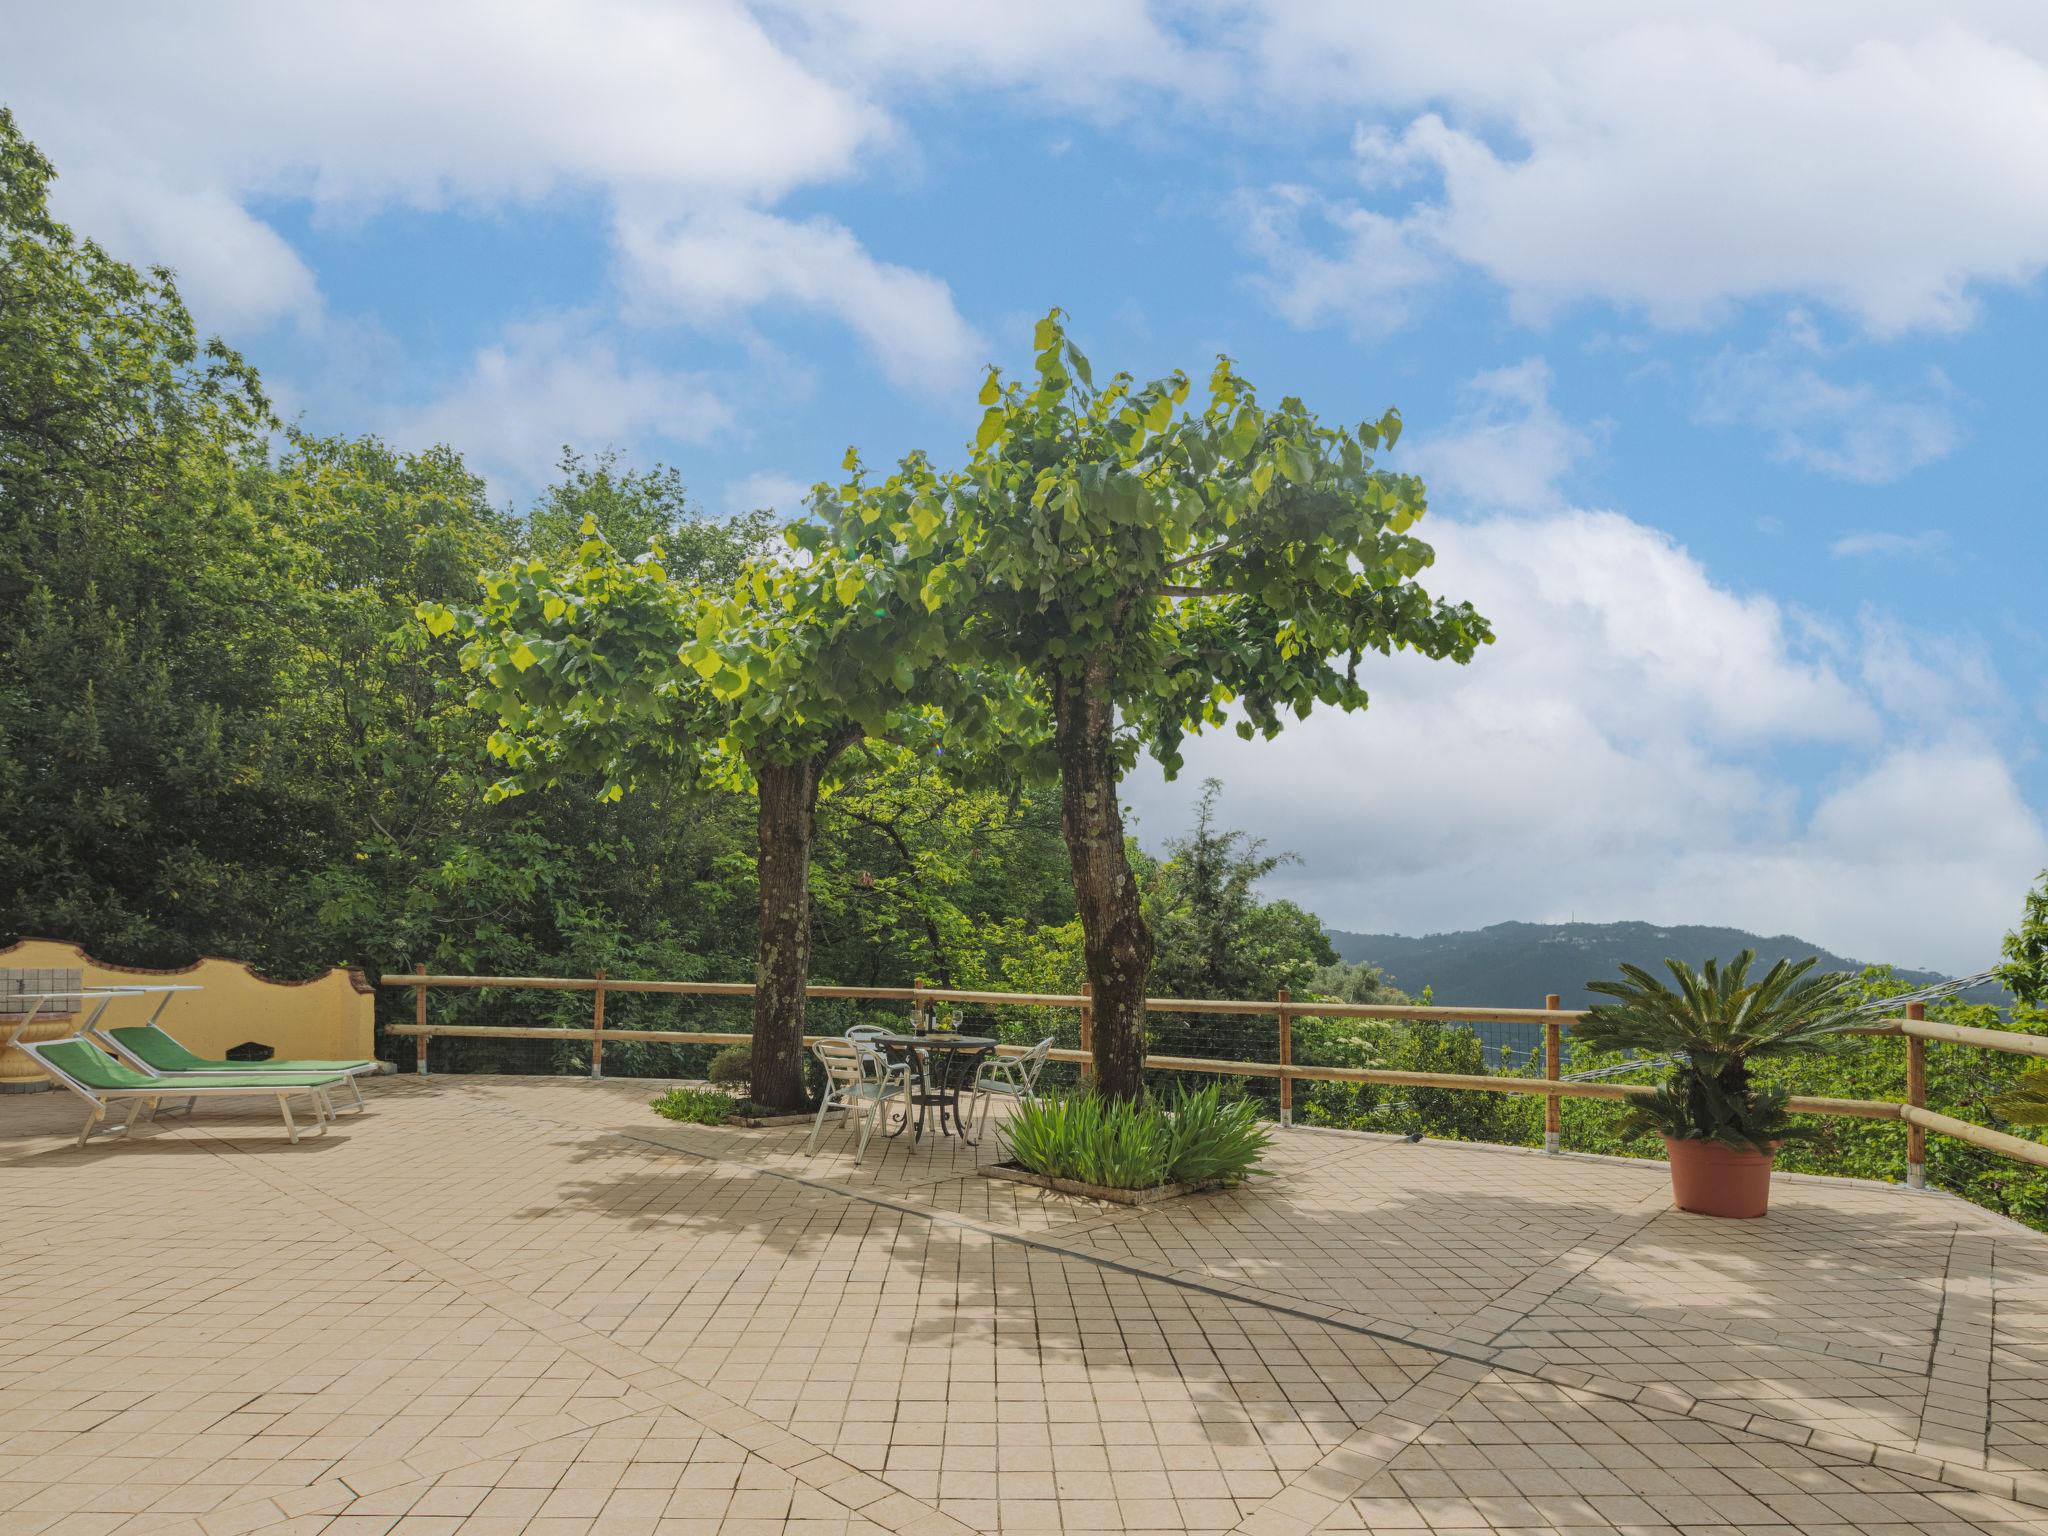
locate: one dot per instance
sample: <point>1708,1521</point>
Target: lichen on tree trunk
<point>1115,938</point>
<point>788,811</point>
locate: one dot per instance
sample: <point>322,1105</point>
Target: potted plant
<point>1720,1128</point>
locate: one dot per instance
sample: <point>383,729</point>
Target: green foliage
<point>1691,1107</point>
<point>2026,1102</point>
<point>732,1067</point>
<point>1344,981</point>
<point>1408,1046</point>
<point>1126,1144</point>
<point>1215,936</point>
<point>925,877</point>
<point>1717,1018</point>
<point>1716,1022</point>
<point>1246,557</point>
<point>1114,1143</point>
<point>1210,1141</point>
<point>2025,971</point>
<point>695,1106</point>
<point>138,659</point>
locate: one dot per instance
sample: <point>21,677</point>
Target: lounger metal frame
<point>100,1100</point>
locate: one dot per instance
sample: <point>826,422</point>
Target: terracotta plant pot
<point>1717,1181</point>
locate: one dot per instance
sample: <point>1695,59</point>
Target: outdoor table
<point>937,1084</point>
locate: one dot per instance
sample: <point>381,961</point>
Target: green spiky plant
<point>2026,1102</point>
<point>1715,1022</point>
<point>1119,1144</point>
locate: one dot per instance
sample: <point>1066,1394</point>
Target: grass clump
<point>694,1106</point>
<point>1117,1144</point>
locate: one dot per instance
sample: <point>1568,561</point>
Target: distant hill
<point>1512,965</point>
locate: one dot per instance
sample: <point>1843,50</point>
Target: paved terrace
<point>496,1305</point>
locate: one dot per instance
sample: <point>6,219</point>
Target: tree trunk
<point>1117,943</point>
<point>788,810</point>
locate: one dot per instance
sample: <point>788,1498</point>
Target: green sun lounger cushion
<point>93,1066</point>
<point>167,1055</point>
<point>96,1069</point>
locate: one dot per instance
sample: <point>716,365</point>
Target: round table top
<point>941,1042</point>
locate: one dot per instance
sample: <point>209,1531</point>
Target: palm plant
<point>1715,1022</point>
<point>2026,1102</point>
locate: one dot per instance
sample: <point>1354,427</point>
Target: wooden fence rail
<point>1914,1026</point>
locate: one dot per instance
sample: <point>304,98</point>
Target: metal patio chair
<point>857,1083</point>
<point>1010,1077</point>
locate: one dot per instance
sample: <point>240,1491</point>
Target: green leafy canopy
<point>1242,557</point>
<point>605,665</point>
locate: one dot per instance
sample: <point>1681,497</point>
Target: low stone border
<point>757,1122</point>
<point>1017,1173</point>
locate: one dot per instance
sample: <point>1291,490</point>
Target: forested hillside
<point>1515,964</point>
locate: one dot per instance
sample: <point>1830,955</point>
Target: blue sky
<point>1717,338</point>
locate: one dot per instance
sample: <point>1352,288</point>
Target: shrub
<point>694,1106</point>
<point>1122,1145</point>
<point>732,1067</point>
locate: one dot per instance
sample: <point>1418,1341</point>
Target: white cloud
<point>1509,451</point>
<point>554,382</point>
<point>766,490</point>
<point>1851,546</point>
<point>723,263</point>
<point>360,107</point>
<point>1080,54</point>
<point>1371,277</point>
<point>1615,755</point>
<point>1927,677</point>
<point>1879,159</point>
<point>242,272</point>
<point>1850,431</point>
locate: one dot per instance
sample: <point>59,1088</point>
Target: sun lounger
<point>102,1082</point>
<point>150,1049</point>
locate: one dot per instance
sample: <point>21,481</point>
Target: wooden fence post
<point>1087,1032</point>
<point>1553,1106</point>
<point>419,1017</point>
<point>597,1023</point>
<point>1916,1095</point>
<point>1286,1060</point>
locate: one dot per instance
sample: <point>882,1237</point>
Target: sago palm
<point>2026,1102</point>
<point>1716,1022</point>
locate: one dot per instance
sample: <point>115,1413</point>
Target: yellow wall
<point>329,1018</point>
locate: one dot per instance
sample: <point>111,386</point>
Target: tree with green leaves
<point>1153,573</point>
<point>1214,935</point>
<point>614,667</point>
<point>144,804</point>
<point>2025,968</point>
<point>2025,974</point>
